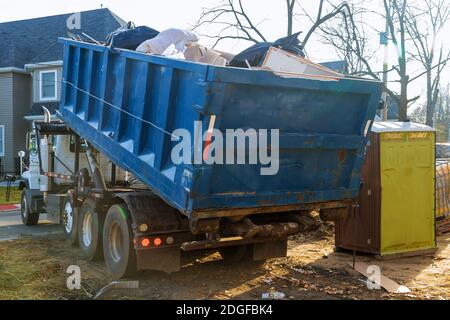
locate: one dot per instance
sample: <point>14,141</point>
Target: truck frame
<point>121,106</point>
<point>130,227</point>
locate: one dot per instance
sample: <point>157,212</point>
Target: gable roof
<point>35,40</point>
<point>338,66</point>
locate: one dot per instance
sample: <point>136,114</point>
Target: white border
<point>55,97</point>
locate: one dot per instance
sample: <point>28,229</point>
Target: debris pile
<point>442,197</point>
<point>284,57</point>
<point>443,226</point>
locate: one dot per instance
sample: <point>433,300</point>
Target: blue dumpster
<point>128,106</point>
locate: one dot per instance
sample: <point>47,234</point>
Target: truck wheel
<point>120,254</point>
<point>236,254</point>
<point>90,226</point>
<point>69,221</point>
<point>28,218</point>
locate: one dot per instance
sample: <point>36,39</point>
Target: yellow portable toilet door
<point>407,184</point>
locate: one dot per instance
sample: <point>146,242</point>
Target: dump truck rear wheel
<point>90,226</point>
<point>28,218</point>
<point>120,254</point>
<point>69,222</point>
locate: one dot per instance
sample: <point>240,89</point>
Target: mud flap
<point>167,260</point>
<point>269,250</point>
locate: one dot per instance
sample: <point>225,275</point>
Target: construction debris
<point>168,41</point>
<point>273,296</point>
<point>130,37</point>
<point>443,226</point>
<point>201,54</point>
<point>442,188</point>
<point>286,64</point>
<point>384,282</point>
<point>254,56</point>
<point>117,285</point>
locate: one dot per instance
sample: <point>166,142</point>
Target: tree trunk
<point>289,31</point>
<point>403,101</point>
<point>290,15</point>
<point>430,106</point>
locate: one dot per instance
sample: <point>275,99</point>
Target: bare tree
<point>406,29</point>
<point>396,15</point>
<point>343,26</point>
<point>290,4</point>
<point>351,41</point>
<point>342,9</point>
<point>423,26</point>
<point>352,38</point>
<point>234,22</point>
<point>441,112</point>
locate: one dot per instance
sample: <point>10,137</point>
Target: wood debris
<point>387,284</point>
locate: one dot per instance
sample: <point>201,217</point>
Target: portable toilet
<point>396,213</point>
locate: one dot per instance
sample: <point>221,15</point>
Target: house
<point>392,109</point>
<point>340,66</point>
<point>31,69</point>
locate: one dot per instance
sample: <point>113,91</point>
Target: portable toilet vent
<point>396,214</point>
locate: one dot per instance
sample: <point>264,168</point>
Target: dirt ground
<point>36,269</point>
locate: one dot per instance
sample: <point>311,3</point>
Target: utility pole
<point>384,40</point>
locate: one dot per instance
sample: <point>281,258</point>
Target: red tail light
<point>145,242</point>
<point>157,242</point>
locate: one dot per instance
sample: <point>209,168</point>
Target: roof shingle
<point>35,40</point>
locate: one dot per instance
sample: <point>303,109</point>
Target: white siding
<point>15,103</point>
<point>6,103</point>
<point>22,104</point>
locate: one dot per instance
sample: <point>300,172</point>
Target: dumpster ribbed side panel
<point>128,108</point>
<point>128,105</point>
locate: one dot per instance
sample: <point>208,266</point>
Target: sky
<point>161,15</point>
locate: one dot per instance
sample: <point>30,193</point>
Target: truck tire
<point>90,227</point>
<point>118,245</point>
<point>69,222</point>
<point>28,218</point>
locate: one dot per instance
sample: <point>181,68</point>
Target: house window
<point>48,85</point>
<point>2,141</point>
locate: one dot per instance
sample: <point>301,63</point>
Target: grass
<point>27,272</point>
<point>14,198</point>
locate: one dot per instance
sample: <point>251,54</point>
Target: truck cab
<point>54,162</point>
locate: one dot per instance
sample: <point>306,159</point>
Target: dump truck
<point>110,169</point>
